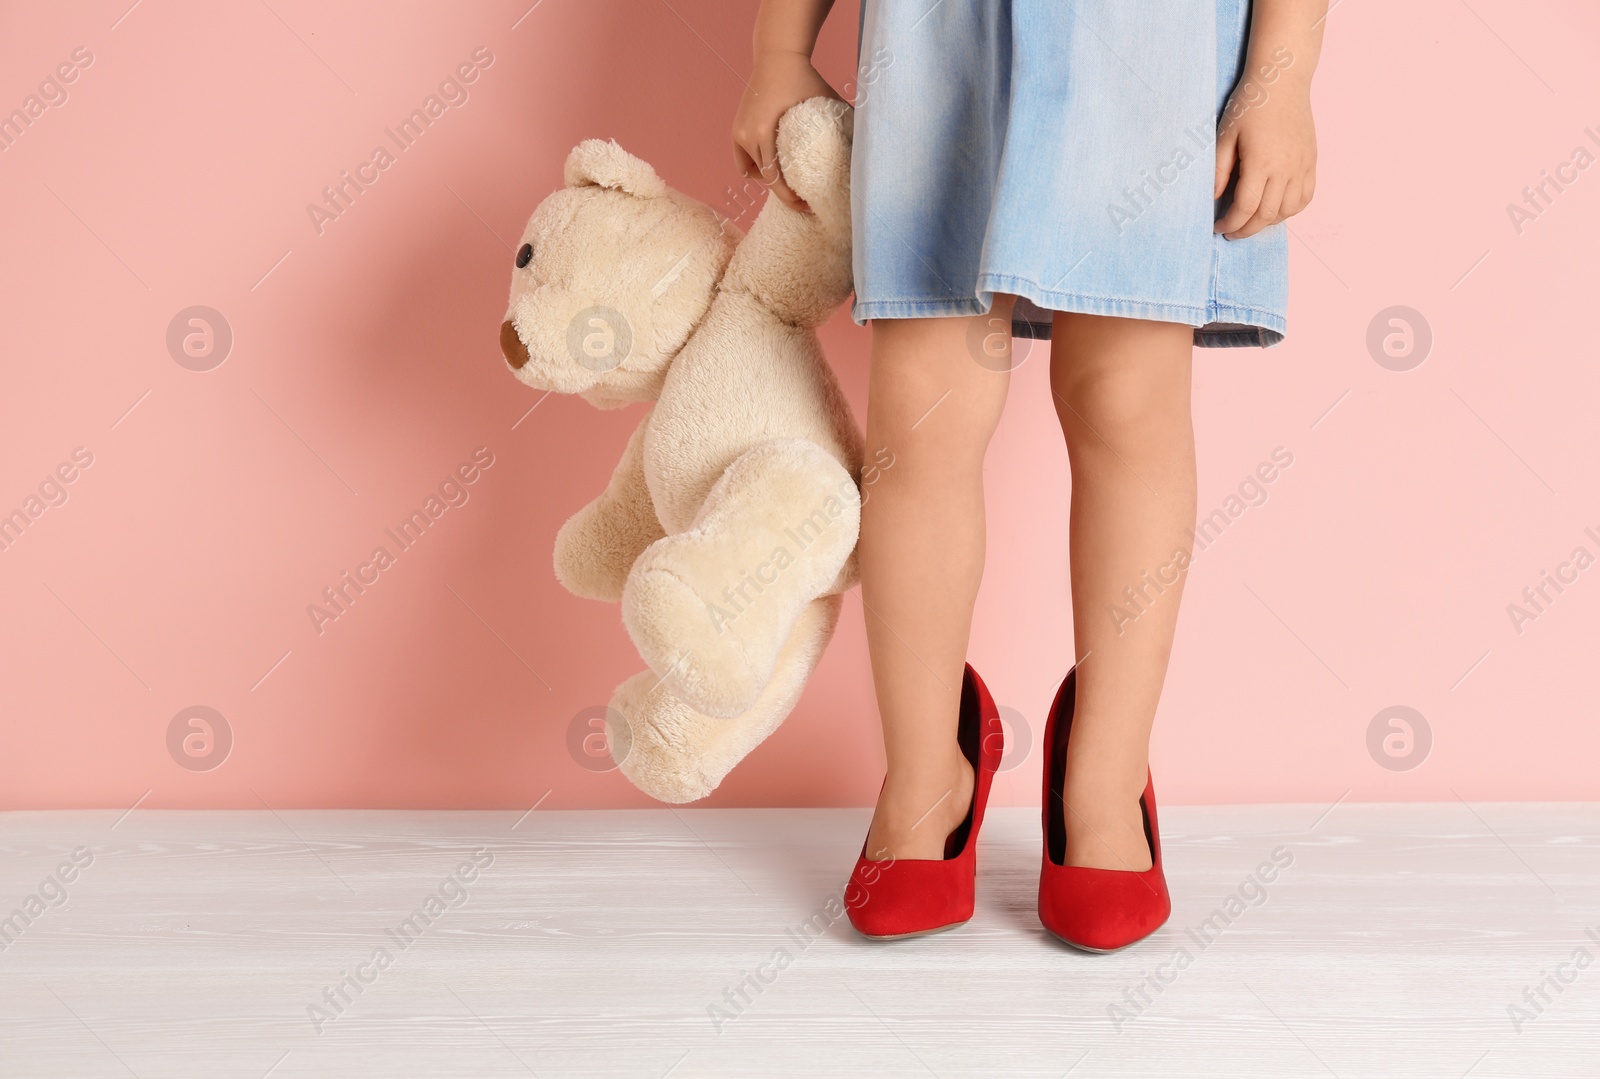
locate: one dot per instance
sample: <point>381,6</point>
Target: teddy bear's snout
<point>516,352</point>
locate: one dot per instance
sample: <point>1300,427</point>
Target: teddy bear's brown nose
<point>516,352</point>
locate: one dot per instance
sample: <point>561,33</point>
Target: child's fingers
<point>773,178</point>
<point>1227,157</point>
<point>749,153</point>
<point>1266,210</point>
<point>743,162</point>
<point>1294,199</point>
<point>1303,188</point>
<point>1246,199</point>
<point>772,175</point>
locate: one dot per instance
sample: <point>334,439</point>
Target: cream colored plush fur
<point>728,529</point>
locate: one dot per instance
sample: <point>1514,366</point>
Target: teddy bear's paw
<point>599,544</point>
<point>590,561</point>
<point>711,608</point>
<point>813,147</point>
<point>659,742</point>
<point>676,754</point>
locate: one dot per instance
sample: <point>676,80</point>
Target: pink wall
<point>363,370</point>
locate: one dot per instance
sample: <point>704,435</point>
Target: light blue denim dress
<point>1060,150</point>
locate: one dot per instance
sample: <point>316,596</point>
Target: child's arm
<point>1266,128</point>
<point>786,33</point>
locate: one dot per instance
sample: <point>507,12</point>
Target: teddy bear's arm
<point>599,544</point>
<point>797,265</point>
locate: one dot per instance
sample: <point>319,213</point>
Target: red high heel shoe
<point>1096,910</point>
<point>908,897</point>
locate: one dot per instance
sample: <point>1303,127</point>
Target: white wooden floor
<point>595,943</point>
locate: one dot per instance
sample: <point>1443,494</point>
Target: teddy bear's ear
<point>605,164</point>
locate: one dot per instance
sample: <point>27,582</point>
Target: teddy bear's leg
<point>598,545</point>
<point>675,754</point>
<point>710,608</point>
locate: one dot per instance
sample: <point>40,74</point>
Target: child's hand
<point>780,80</point>
<point>1268,132</point>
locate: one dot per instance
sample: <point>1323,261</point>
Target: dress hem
<point>1216,325</point>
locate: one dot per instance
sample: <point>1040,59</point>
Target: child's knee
<point>1120,405</point>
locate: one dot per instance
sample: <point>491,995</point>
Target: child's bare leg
<point>932,408</point>
<point>1122,392</point>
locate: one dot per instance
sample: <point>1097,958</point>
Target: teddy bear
<point>728,528</point>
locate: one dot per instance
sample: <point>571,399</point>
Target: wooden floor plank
<point>1393,942</point>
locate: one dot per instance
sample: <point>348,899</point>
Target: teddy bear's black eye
<point>524,256</point>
